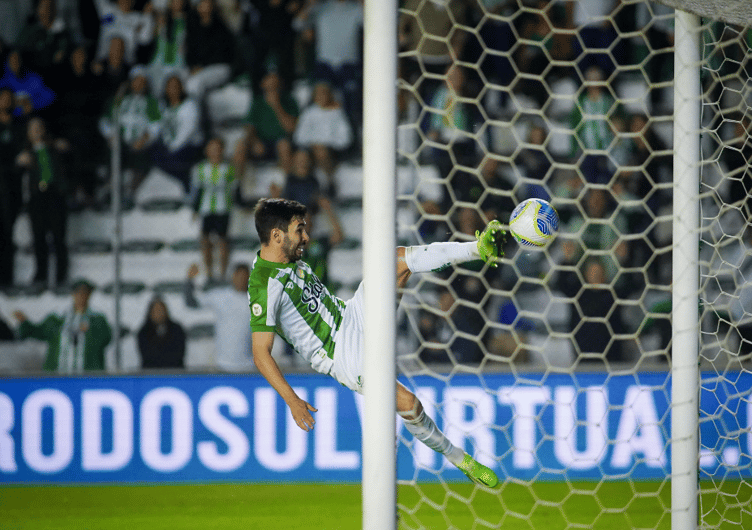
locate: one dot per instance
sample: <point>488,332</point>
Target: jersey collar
<point>271,264</point>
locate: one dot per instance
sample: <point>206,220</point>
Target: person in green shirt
<point>76,339</point>
<point>269,126</point>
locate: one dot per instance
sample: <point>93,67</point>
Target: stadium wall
<point>235,428</point>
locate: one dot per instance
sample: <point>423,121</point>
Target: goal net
<point>555,368</point>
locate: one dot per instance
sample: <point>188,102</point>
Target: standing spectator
<point>232,329</point>
<point>210,50</point>
<point>120,19</point>
<point>77,114</point>
<point>178,144</point>
<point>170,45</point>
<point>336,27</point>
<point>270,122</point>
<point>320,245</point>
<point>429,32</point>
<point>139,113</point>
<point>452,124</point>
<point>31,94</point>
<point>47,199</point>
<point>11,142</point>
<point>161,340</point>
<point>301,184</point>
<point>592,131</point>
<point>76,340</point>
<point>323,128</point>
<point>594,338</point>
<point>535,164</point>
<point>45,41</point>
<point>213,187</point>
<point>113,72</point>
<point>273,43</point>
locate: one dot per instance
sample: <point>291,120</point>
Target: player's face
<point>295,240</point>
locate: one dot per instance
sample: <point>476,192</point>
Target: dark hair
<point>243,266</point>
<point>154,301</point>
<point>276,213</point>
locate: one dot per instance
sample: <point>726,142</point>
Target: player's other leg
<point>438,256</point>
<point>422,427</point>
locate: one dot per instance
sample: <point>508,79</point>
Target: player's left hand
<point>301,413</point>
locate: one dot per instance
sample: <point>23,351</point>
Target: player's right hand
<point>301,413</point>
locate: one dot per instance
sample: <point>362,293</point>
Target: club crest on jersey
<point>300,273</point>
<point>256,308</point>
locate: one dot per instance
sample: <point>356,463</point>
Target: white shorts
<point>348,352</point>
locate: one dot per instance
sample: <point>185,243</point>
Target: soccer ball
<point>534,223</point>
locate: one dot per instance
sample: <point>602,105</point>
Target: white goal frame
<point>379,207</point>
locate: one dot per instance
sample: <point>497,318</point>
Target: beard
<point>291,250</point>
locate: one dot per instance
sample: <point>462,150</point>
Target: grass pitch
<point>606,505</point>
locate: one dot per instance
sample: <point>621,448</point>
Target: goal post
<point>379,266</point>
<point>685,387</point>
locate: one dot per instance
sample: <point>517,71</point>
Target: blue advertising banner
<point>236,428</point>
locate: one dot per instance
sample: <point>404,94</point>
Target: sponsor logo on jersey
<point>312,294</point>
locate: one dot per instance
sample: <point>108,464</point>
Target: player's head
<point>281,223</point>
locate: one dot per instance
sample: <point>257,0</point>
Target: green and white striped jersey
<point>213,186</point>
<point>288,299</point>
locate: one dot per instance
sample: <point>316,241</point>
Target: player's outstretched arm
<point>262,356</point>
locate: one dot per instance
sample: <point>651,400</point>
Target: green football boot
<point>490,242</point>
<point>478,473</point>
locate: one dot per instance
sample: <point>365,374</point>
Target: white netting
<point>554,368</point>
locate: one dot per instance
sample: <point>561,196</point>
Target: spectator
<point>336,27</point>
<point>113,72</point>
<point>139,114</point>
<point>428,31</point>
<point>135,29</point>
<point>736,154</point>
<point>273,43</point>
<point>532,55</point>
<point>78,111</point>
<point>209,54</point>
<point>170,45</point>
<point>451,124</point>
<point>534,163</point>
<point>11,142</point>
<point>320,244</point>
<point>595,317</point>
<point>178,145</point>
<point>45,41</point>
<point>213,187</point>
<point>270,122</point>
<point>599,232</point>
<point>31,94</point>
<point>323,128</point>
<point>76,340</point>
<point>47,199</point>
<point>301,184</point>
<point>161,340</point>
<point>653,158</point>
<point>232,330</point>
<point>592,131</point>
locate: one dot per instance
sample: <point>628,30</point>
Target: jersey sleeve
<point>264,300</point>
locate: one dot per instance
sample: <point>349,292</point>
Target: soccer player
<point>287,299</point>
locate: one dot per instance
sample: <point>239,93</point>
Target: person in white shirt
<point>119,19</point>
<point>179,134</point>
<point>323,128</point>
<point>231,331</point>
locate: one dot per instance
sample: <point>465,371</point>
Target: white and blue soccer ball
<point>534,223</point>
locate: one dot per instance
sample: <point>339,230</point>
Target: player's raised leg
<point>423,428</point>
<point>439,256</point>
